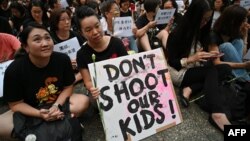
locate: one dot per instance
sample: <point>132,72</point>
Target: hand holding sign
<point>136,95</point>
<point>163,16</point>
<point>123,26</point>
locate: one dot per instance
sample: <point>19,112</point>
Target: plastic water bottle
<point>30,137</point>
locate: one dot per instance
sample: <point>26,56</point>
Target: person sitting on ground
<point>102,46</point>
<point>185,58</point>
<point>40,78</point>
<point>170,4</point>
<point>38,14</point>
<point>229,36</point>
<point>19,15</point>
<point>219,6</point>
<point>60,27</point>
<point>110,10</point>
<point>9,46</point>
<point>146,24</point>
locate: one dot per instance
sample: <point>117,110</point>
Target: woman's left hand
<point>55,113</point>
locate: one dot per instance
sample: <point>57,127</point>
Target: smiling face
<point>39,44</point>
<point>37,13</point>
<point>92,29</point>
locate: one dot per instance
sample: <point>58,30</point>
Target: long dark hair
<point>188,31</point>
<point>230,21</point>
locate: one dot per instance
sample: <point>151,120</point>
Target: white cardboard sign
<point>69,47</point>
<point>137,97</point>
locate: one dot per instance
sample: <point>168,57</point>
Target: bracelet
<point>56,105</point>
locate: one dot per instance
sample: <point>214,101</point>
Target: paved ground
<point>194,127</point>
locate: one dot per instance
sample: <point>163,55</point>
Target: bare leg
<point>220,119</point>
<point>78,77</point>
<point>163,36</point>
<point>6,124</point>
<point>187,92</point>
<point>78,104</point>
<point>144,42</point>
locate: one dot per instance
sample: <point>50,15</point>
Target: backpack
<point>60,130</point>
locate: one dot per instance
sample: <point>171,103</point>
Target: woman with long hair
<point>186,58</point>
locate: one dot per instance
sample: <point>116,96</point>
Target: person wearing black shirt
<point>104,47</point>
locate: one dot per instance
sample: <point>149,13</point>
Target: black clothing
<point>24,81</point>
<point>115,49</point>
<point>72,34</point>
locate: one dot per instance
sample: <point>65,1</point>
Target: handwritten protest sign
<point>64,3</point>
<point>69,47</point>
<point>163,16</point>
<point>245,4</point>
<point>3,67</point>
<point>137,98</point>
<point>123,26</point>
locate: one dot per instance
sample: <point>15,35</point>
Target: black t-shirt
<point>24,81</point>
<point>143,21</point>
<point>115,49</point>
<point>18,22</point>
<point>72,34</point>
<point>125,14</point>
<point>5,13</point>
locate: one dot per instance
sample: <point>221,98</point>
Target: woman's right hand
<point>45,114</point>
<point>95,92</point>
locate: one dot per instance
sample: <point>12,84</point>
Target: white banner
<point>163,16</point>
<point>64,3</point>
<point>123,26</point>
<point>3,67</point>
<point>69,47</point>
<point>245,4</point>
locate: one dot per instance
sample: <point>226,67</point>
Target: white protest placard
<point>64,3</point>
<point>3,67</point>
<point>245,4</point>
<point>163,16</point>
<point>69,47</point>
<point>122,26</point>
<point>137,97</point>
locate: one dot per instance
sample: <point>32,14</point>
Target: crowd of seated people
<point>202,44</point>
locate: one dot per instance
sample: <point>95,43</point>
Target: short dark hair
<point>18,6</point>
<point>150,5</point>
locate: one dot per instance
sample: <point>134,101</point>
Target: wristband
<point>58,106</point>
